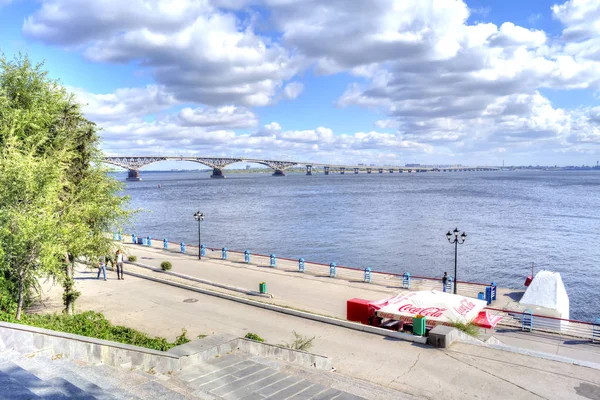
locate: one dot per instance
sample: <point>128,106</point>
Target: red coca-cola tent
<point>486,320</point>
<point>437,307</point>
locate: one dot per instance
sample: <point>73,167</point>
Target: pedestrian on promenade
<point>110,260</point>
<point>102,268</point>
<point>445,280</point>
<point>119,260</point>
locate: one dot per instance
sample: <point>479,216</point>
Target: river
<point>394,222</point>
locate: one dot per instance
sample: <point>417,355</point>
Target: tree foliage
<point>55,197</point>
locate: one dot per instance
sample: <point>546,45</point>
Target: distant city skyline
<point>387,82</point>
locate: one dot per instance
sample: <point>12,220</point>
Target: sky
<point>384,82</point>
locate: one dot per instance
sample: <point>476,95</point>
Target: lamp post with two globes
<point>199,217</point>
<point>456,241</point>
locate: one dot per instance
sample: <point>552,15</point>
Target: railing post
<point>332,270</point>
<point>133,238</point>
<point>488,295</point>
<point>165,244</point>
<point>224,253</point>
<point>202,250</point>
<point>114,236</point>
<point>406,280</point>
<point>182,247</point>
<point>119,237</point>
<point>273,261</point>
<point>149,240</point>
<point>367,275</point>
<point>301,265</point>
<point>596,331</point>
<point>527,320</point>
<point>247,256</point>
<point>144,241</point>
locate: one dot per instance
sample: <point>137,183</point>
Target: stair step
<point>241,383</point>
<point>70,390</point>
<point>12,390</point>
<point>247,390</point>
<point>279,386</point>
<point>309,393</point>
<point>196,372</point>
<point>329,394</point>
<point>159,391</point>
<point>291,391</point>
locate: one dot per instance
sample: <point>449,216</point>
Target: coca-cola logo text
<point>464,307</point>
<point>434,312</point>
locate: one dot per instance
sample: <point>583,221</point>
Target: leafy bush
<point>166,265</point>
<point>468,327</point>
<point>254,336</point>
<point>302,343</point>
<point>132,258</point>
<point>93,324</point>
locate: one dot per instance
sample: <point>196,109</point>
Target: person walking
<point>119,260</point>
<point>445,280</point>
<point>102,268</point>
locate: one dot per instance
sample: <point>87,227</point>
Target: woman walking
<point>119,259</point>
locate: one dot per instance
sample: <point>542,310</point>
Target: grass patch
<point>302,343</point>
<point>467,327</point>
<point>93,324</point>
<point>166,265</point>
<point>254,336</point>
<point>132,258</point>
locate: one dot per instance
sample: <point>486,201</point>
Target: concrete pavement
<point>463,371</point>
<point>320,294</point>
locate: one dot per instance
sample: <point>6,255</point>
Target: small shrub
<point>254,336</point>
<point>302,343</point>
<point>93,324</point>
<point>468,327</point>
<point>166,265</point>
<point>132,258</point>
<point>182,339</point>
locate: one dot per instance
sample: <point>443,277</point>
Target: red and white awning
<point>437,306</point>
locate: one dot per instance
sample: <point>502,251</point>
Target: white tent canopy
<point>437,307</point>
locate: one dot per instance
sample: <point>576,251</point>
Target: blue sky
<point>384,82</point>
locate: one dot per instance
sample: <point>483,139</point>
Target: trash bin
<point>419,326</point>
<point>262,287</point>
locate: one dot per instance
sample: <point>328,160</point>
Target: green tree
<point>28,217</point>
<point>43,129</point>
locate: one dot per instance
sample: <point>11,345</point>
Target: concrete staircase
<point>41,377</point>
<point>235,377</point>
<point>231,377</point>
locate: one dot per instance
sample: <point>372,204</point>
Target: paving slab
<point>291,390</point>
<point>241,383</point>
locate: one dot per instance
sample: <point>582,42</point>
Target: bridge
<point>133,164</point>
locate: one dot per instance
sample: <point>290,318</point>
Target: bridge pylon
<point>133,175</point>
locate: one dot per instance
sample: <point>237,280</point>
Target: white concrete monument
<point>547,293</point>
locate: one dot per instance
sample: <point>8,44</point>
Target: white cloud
<point>125,103</point>
<point>199,52</point>
<point>293,89</point>
<point>448,86</point>
<point>225,117</point>
<point>387,124</point>
<point>582,27</point>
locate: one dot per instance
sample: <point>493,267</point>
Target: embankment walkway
<point>316,292</point>
<point>463,371</point>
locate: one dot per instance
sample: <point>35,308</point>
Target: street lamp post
<point>456,241</point>
<point>199,217</point>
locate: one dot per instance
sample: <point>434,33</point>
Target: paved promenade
<point>463,371</point>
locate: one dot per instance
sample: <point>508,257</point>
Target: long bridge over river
<point>134,163</point>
